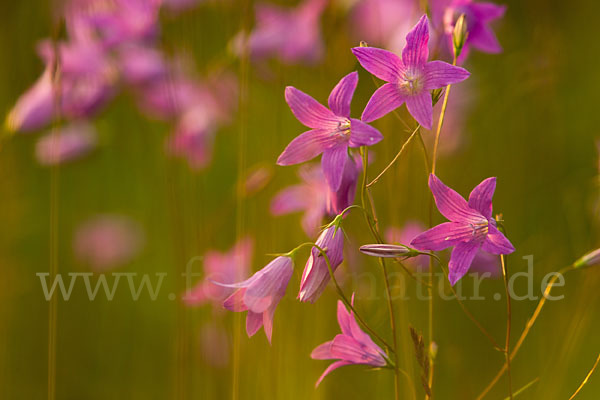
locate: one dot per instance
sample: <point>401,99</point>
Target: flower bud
<point>589,260</point>
<point>385,250</point>
<point>459,34</point>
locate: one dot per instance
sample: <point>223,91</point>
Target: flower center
<point>343,128</point>
<point>412,82</point>
<point>480,229</point>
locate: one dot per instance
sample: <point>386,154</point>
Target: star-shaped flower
<point>470,229</point>
<point>332,130</point>
<point>410,79</point>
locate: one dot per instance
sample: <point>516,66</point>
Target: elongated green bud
<point>459,35</point>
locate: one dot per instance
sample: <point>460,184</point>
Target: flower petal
<point>382,63</point>
<point>451,204</point>
<point>421,108</point>
<point>439,74</point>
<point>484,39</point>
<point>385,99</point>
<point>344,318</point>
<point>480,198</point>
<point>461,259</point>
<point>362,134</point>
<point>307,146</point>
<point>322,352</point>
<point>309,111</point>
<point>253,323</point>
<point>416,52</point>
<point>442,236</point>
<point>496,242</point>
<point>341,95</point>
<point>268,322</point>
<point>269,285</point>
<point>332,367</point>
<point>333,162</point>
<point>235,302</point>
<point>348,348</point>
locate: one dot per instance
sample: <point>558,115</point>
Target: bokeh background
<point>532,121</point>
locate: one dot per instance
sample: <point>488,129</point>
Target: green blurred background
<point>533,125</point>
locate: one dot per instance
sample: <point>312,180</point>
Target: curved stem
<point>343,296</point>
<point>440,123</point>
<point>530,323</point>
<point>472,317</point>
<point>586,378</point>
<point>374,181</point>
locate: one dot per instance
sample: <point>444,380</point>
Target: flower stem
<point>525,332</point>
<point>343,296</point>
<point>508,325</point>
<point>440,123</point>
<point>586,378</point>
<point>377,237</point>
<point>374,181</point>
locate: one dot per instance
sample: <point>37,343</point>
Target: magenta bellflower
<point>470,229</point>
<point>353,346</point>
<point>410,79</point>
<point>260,295</point>
<point>316,272</point>
<point>332,130</point>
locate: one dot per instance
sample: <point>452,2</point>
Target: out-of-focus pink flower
<point>220,267</point>
<point>404,236</point>
<point>257,178</point>
<point>292,35</point>
<point>107,241</point>
<point>142,64</point>
<point>478,16</point>
<point>311,196</point>
<point>316,271</point>
<point>214,343</point>
<point>85,83</point>
<point>260,295</point>
<point>352,346</point>
<point>35,108</point>
<point>69,143</point>
<point>315,197</point>
<point>384,23</point>
<point>113,22</point>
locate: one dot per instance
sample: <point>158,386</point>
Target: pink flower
<point>221,267</point>
<point>290,34</point>
<point>410,79</point>
<point>260,295</point>
<point>315,197</point>
<point>35,108</point>
<point>478,16</point>
<point>352,346</point>
<point>316,272</point>
<point>69,143</point>
<point>384,23</point>
<point>332,132</point>
<point>107,241</point>
<point>471,228</point>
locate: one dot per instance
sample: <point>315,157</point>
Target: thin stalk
<point>525,332</point>
<point>374,181</point>
<point>345,299</point>
<point>524,388</point>
<point>472,317</point>
<point>377,237</point>
<point>440,123</point>
<point>586,378</point>
<point>508,325</point>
